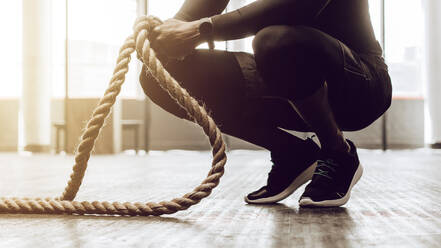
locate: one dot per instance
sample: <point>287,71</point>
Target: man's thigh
<point>213,78</point>
<point>358,93</point>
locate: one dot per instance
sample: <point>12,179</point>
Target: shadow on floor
<point>330,227</point>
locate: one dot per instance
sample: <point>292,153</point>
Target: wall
<point>432,64</point>
<point>80,110</point>
<point>133,109</point>
<point>405,127</point>
<point>8,124</point>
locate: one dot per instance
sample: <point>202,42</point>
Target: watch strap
<point>208,36</point>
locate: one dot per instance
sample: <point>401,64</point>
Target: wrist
<point>199,37</point>
<point>206,31</point>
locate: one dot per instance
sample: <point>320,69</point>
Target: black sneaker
<point>333,179</point>
<point>288,173</point>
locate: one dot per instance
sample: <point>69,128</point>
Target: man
<point>316,67</point>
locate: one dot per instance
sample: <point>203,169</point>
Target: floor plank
<point>396,204</point>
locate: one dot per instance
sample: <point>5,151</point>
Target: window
<point>403,39</point>
<point>58,39</point>
<point>11,60</point>
<point>97,29</point>
<point>244,45</point>
<point>404,42</point>
<point>96,35</point>
<point>375,12</point>
<point>164,9</point>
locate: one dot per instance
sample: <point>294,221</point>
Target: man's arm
<point>248,20</point>
<point>193,10</point>
<point>177,38</point>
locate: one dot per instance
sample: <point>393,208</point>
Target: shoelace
<point>326,168</point>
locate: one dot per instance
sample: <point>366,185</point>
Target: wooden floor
<point>396,204</point>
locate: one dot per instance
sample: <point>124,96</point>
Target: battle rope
<point>65,204</point>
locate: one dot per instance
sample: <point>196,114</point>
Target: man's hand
<point>175,38</point>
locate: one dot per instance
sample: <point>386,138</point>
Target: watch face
<point>205,28</point>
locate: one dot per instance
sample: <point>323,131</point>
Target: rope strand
<point>65,205</point>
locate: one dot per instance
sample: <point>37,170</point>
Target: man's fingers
<point>158,48</point>
<point>153,34</point>
<point>157,29</point>
<point>158,45</point>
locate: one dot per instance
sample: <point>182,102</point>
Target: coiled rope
<point>65,204</point>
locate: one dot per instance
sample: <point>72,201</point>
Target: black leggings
<point>249,97</point>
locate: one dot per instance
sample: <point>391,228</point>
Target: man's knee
<point>280,40</point>
<point>267,41</point>
<point>287,58</point>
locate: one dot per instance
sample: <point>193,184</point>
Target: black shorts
<point>230,86</point>
<point>359,90</point>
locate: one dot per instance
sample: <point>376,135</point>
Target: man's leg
<point>297,71</point>
<point>297,62</point>
<point>215,79</point>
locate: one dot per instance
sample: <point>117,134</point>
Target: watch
<point>206,31</point>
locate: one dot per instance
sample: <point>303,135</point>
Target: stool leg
<point>64,140</point>
<point>136,139</point>
<point>57,147</point>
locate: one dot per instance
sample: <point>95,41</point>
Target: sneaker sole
<point>308,202</point>
<point>304,177</point>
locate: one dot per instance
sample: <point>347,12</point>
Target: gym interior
<point>156,180</point>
